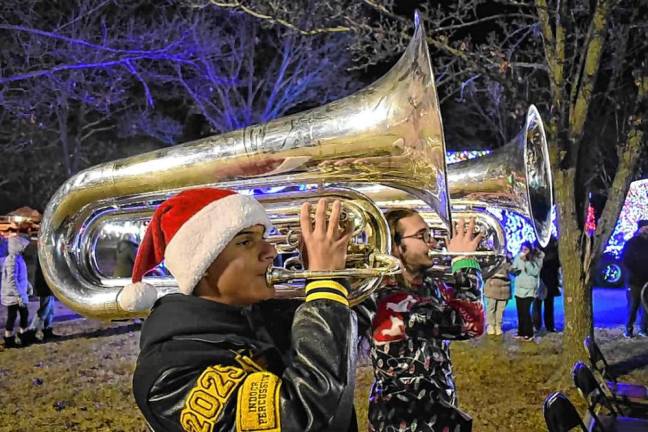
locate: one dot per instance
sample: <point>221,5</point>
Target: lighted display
<point>612,273</point>
<point>517,229</point>
<point>458,156</point>
<point>634,209</point>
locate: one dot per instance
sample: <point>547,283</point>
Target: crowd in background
<point>18,283</point>
<point>533,278</point>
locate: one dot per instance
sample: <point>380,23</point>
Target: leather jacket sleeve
<point>365,313</point>
<point>318,386</point>
<point>314,392</point>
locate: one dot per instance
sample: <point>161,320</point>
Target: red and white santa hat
<point>188,231</point>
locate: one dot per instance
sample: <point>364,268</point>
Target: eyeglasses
<point>426,235</point>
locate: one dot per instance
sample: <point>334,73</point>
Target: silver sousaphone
<point>389,133</point>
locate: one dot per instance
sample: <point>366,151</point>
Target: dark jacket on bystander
<point>635,260</point>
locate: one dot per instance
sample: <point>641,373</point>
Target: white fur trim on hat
<point>137,297</point>
<point>204,236</point>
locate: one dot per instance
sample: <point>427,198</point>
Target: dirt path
<point>82,382</point>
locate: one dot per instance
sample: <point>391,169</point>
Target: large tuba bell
<point>515,177</point>
<point>389,133</point>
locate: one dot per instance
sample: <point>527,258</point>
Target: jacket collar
<point>186,316</point>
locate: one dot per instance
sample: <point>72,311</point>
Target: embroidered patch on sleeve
<point>204,405</point>
<point>258,403</point>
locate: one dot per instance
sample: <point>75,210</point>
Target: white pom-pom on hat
<point>137,297</point>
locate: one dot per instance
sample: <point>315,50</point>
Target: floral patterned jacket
<point>414,387</point>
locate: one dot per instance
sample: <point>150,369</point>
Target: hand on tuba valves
<point>324,243</point>
<point>468,240</point>
<point>464,238</point>
<point>348,239</point>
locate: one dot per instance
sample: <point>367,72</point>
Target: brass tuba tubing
<point>387,133</point>
<point>493,247</point>
<point>387,266</point>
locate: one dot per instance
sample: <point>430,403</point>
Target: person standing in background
<point>14,292</point>
<point>635,264</point>
<point>526,268</point>
<point>549,287</point>
<point>42,323</point>
<point>497,290</point>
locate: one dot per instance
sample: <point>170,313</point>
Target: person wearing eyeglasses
<point>417,314</point>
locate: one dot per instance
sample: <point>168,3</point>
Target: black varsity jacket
<point>206,366</point>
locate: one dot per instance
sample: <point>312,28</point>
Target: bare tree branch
<point>592,61</point>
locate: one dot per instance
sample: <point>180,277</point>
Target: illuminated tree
<point>89,80</point>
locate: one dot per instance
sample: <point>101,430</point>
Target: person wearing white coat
<point>14,291</point>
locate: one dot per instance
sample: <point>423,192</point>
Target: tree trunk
<point>576,290</point>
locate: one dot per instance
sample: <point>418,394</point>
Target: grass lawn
<point>82,382</point>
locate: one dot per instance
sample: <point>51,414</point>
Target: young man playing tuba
<point>416,317</point>
<point>207,362</point>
